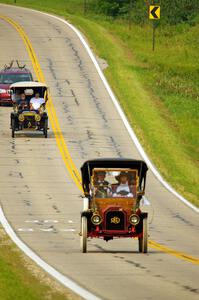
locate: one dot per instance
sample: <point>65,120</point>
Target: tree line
<point>172,11</point>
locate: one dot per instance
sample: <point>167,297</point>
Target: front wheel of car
<point>13,127</point>
<point>84,234</point>
<point>143,241</point>
<point>46,128</point>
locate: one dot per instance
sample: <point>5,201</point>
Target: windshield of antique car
<point>11,78</point>
<point>114,183</point>
<point>29,92</point>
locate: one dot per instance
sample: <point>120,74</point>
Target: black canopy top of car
<point>120,163</point>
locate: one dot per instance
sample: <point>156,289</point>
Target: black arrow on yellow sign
<point>154,12</point>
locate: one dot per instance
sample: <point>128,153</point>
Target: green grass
<point>20,279</point>
<point>159,90</point>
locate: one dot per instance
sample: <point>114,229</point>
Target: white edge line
<point>40,262</point>
<point>123,117</point>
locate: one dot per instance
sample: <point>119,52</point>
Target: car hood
<point>4,86</point>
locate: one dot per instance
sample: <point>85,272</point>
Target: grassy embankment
<point>20,279</point>
<point>159,91</point>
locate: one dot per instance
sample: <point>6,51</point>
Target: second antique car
<point>113,189</point>
<point>24,117</point>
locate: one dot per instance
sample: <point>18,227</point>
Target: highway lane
<point>42,202</point>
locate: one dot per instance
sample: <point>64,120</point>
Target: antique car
<point>113,189</point>
<point>24,117</point>
<point>9,75</point>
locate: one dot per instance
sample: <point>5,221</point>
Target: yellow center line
<point>180,255</point>
<point>73,171</point>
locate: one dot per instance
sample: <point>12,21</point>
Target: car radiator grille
<point>29,122</point>
<point>115,220</point>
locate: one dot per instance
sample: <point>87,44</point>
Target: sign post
<point>153,37</point>
<point>154,14</point>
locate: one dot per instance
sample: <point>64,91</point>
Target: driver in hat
<point>123,188</point>
<point>102,189</point>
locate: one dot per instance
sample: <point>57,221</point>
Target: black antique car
<point>113,189</point>
<point>24,117</point>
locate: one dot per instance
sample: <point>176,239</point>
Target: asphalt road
<point>42,202</point>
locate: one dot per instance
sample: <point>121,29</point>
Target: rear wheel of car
<point>13,127</point>
<point>84,234</point>
<point>46,128</point>
<point>143,241</point>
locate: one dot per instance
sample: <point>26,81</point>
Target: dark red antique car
<point>11,75</point>
<point>113,189</point>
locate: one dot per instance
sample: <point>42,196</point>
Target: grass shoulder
<point>20,278</point>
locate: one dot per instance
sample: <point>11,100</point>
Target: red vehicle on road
<point>113,189</point>
<point>10,75</point>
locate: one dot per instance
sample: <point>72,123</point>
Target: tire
<point>84,234</point>
<point>143,241</point>
<point>140,241</point>
<point>13,127</point>
<point>46,128</point>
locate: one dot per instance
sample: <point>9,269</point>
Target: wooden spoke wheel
<point>143,241</point>
<point>84,229</point>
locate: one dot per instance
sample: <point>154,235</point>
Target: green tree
<point>172,11</point>
<point>178,11</point>
<point>112,8</point>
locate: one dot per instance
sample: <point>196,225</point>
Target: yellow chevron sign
<point>154,12</point>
